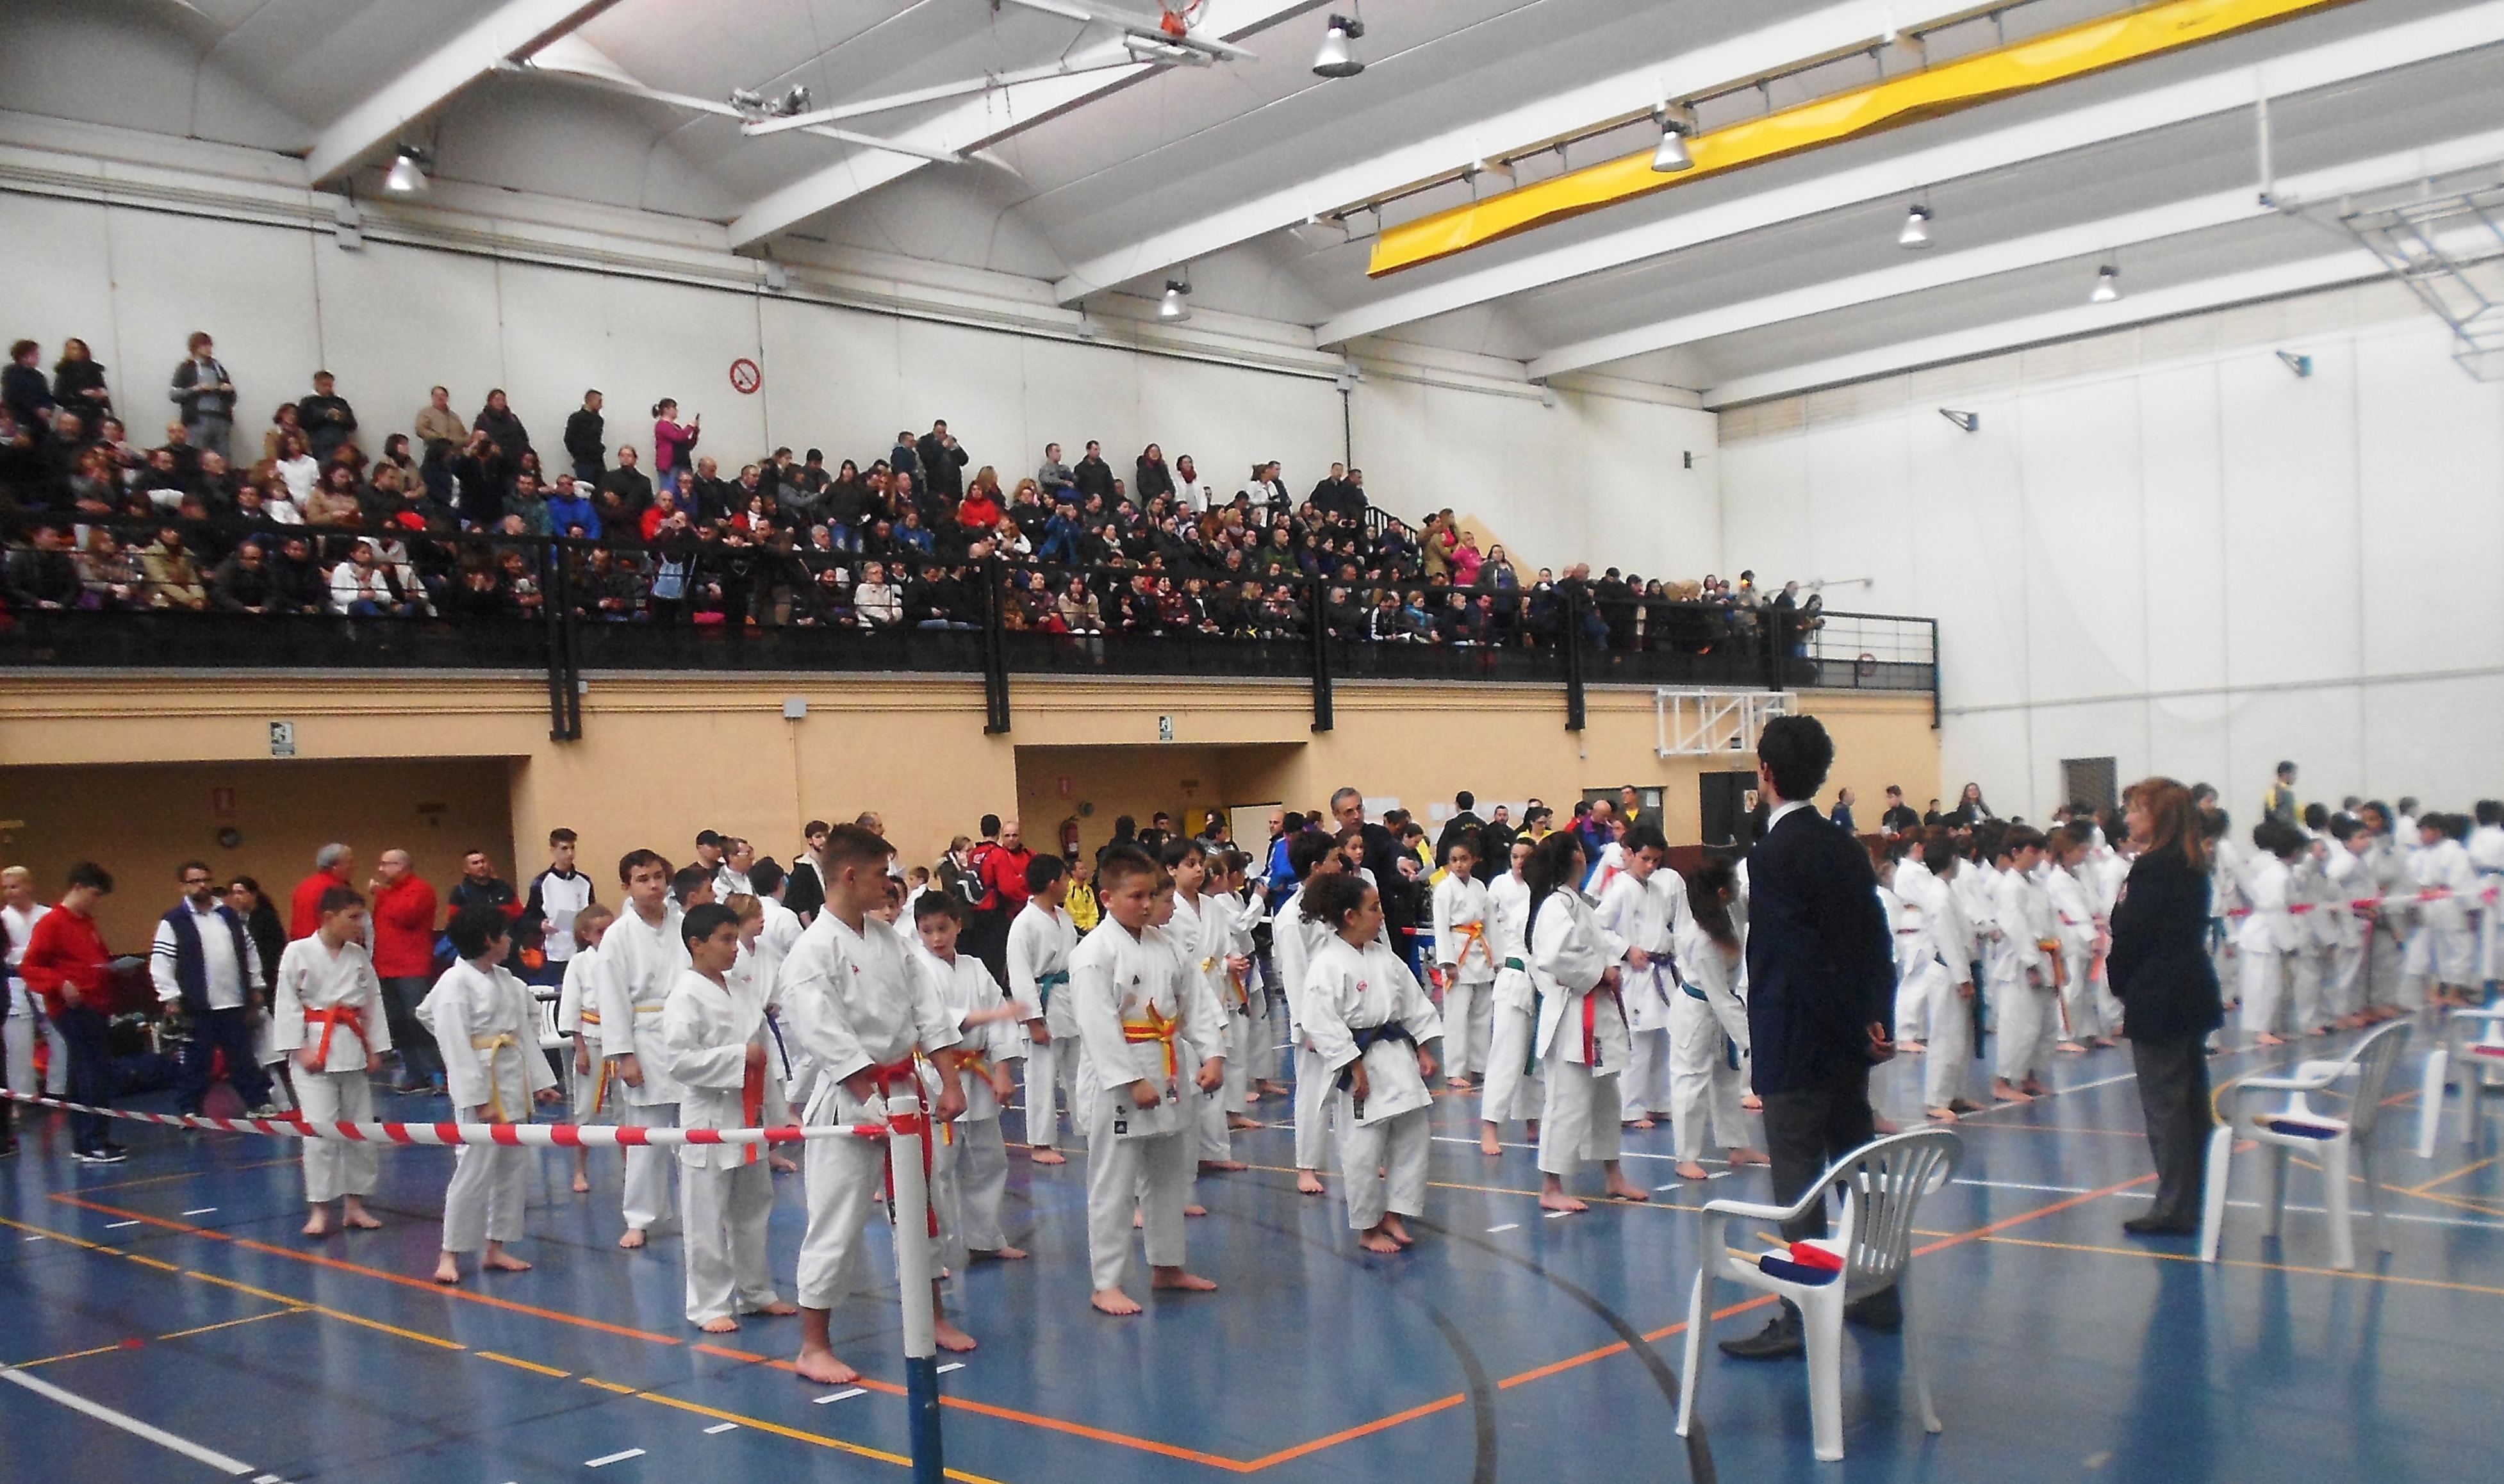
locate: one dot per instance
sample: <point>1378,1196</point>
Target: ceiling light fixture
<point>2301,365</point>
<point>1175,306</point>
<point>2108,286</point>
<point>1917,228</point>
<point>1970,422</point>
<point>1336,58</point>
<point>407,173</point>
<point>1676,125</point>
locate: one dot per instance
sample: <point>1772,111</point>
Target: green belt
<point>1516,965</point>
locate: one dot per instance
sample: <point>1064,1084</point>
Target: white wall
<point>2163,546</point>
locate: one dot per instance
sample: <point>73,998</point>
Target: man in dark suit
<point>1464,827</point>
<point>1821,971</point>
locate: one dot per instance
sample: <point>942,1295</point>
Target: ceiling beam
<point>1924,273</point>
<point>1835,28</point>
<point>983,122</point>
<point>1907,175</point>
<point>514,29</point>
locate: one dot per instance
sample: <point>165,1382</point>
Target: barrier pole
<point>908,1128</point>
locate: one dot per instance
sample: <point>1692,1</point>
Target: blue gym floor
<point>175,1290</point>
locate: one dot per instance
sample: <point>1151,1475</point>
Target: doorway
<point>1724,802</point>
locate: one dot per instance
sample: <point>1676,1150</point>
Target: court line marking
<point>2420,1189</point>
<point>202,1211</point>
<point>796,1434</point>
<point>613,1458</point>
<point>1507,1226</point>
<point>2012,1185</point>
<point>531,1366</point>
<point>841,1395</point>
<point>721,1426</point>
<point>197,1452</point>
<point>228,1323</point>
<point>2397,1279</point>
<point>75,1355</point>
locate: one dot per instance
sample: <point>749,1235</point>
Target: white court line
<point>118,1225</point>
<point>2101,1081</point>
<point>951,1365</point>
<point>1507,1226</point>
<point>1624,1153</point>
<point>722,1427</point>
<point>840,1396</point>
<point>38,1238</point>
<point>129,1424</point>
<point>202,1211</point>
<point>2388,1215</point>
<point>2012,1185</point>
<point>615,1457</point>
<point>1554,1215</point>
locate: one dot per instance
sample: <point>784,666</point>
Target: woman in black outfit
<point>2168,987</point>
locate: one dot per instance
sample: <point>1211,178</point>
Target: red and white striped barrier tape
<point>519,1135</point>
<point>2487,898</point>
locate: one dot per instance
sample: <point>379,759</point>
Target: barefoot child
<point>1644,907</point>
<point>1199,935</point>
<point>2024,997</point>
<point>2073,915</point>
<point>1144,1024</point>
<point>486,1024</point>
<point>640,959</point>
<point>858,1013</point>
<point>718,1050</point>
<point>1945,959</point>
<point>1293,940</point>
<point>578,1013</point>
<point>1371,1022</point>
<point>1582,1041</point>
<point>2267,937</point>
<point>1708,1026</point>
<point>1040,943</point>
<point>1464,951</point>
<point>329,1012</point>
<point>1512,1087</point>
<point>1246,1004</point>
<point>986,1020</point>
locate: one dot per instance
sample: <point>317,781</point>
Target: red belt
<point>1591,1024</point>
<point>908,1070</point>
<point>332,1018</point>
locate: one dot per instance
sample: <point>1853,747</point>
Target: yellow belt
<point>491,1045</point>
<point>1157,1027</point>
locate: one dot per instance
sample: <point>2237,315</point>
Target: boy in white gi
<point>856,1010</point>
<point>487,1026</point>
<point>2265,938</point>
<point>1144,1024</point>
<point>329,1012</point>
<point>2338,932</point>
<point>1944,971</point>
<point>1195,929</point>
<point>1040,943</point>
<point>1371,1022</point>
<point>577,1015</point>
<point>1245,1002</point>
<point>2023,987</point>
<point>990,1038</point>
<point>2074,918</point>
<point>1904,921</point>
<point>1466,953</point>
<point>1583,1039</point>
<point>640,959</point>
<point>1644,907</point>
<point>714,1044</point>
<point>1708,1025</point>
<point>2443,953</point>
<point>1293,940</point>
<point>1513,1089</point>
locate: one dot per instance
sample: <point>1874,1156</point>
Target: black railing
<point>445,600</point>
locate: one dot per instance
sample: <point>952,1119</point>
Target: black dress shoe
<point>2158,1225</point>
<point>1780,1339</point>
<point>1882,1311</point>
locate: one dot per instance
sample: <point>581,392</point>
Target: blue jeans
<point>91,1072</point>
<point>221,1030</point>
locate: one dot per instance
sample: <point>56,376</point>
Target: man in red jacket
<point>332,866</point>
<point>68,963</point>
<point>404,918</point>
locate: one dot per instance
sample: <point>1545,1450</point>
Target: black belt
<point>1366,1040</point>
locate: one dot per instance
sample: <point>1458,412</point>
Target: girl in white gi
<point>1040,943</point>
<point>2485,845</point>
<point>1244,999</point>
<point>2024,992</point>
<point>713,1039</point>
<point>1464,951</point>
<point>487,1026</point>
<point>2387,987</point>
<point>1905,924</point>
<point>329,1012</point>
<point>1196,930</point>
<point>640,959</point>
<point>2074,919</point>
<point>1644,907</point>
<point>1582,1041</point>
<point>1513,1089</point>
<point>1709,1025</point>
<point>2443,953</point>
<point>577,1015</point>
<point>1371,1022</point>
<point>855,1008</point>
<point>2267,935</point>
<point>1293,940</point>
<point>1943,970</point>
<point>2338,933</point>
<point>990,1037</point>
<point>1145,1026</point>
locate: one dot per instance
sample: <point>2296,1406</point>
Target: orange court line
<point>2275,1267</point>
<point>2420,1189</point>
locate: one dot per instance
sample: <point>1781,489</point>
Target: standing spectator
<point>2161,971</point>
<point>22,390</point>
<point>1052,477</point>
<point>943,462</point>
<point>206,394</point>
<point>625,494</point>
<point>480,886</point>
<point>404,920</point>
<point>586,435</point>
<point>1840,817</point>
<point>333,865</point>
<point>203,961</point>
<point>1154,478</point>
<point>329,422</point>
<point>1465,827</point>
<point>671,442</point>
<point>1093,477</point>
<point>438,422</point>
<point>1003,871</point>
<point>19,911</point>
<point>2278,804</point>
<point>68,963</point>
<point>260,921</point>
<point>77,382</point>
<point>504,429</point>
<point>1899,821</point>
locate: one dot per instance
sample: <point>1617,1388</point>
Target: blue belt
<point>1045,983</point>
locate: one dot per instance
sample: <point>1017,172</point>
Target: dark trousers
<point>419,1059</point>
<point>2173,1097</point>
<point>1807,1129</point>
<point>91,1072</point>
<point>221,1030</point>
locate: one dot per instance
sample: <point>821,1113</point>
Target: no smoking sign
<point>746,376</point>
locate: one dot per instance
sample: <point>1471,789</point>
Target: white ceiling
<point>1737,281</point>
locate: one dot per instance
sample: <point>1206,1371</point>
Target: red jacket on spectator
<point>404,914</point>
<point>304,914</point>
<point>1004,873</point>
<point>980,513</point>
<point>66,948</point>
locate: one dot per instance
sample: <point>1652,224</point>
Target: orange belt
<point>1243,991</point>
<point>1155,1026</point>
<point>751,1106</point>
<point>332,1018</point>
<point>1473,935</point>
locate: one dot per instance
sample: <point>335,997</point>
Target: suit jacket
<point>1821,958</point>
<point>2159,966</point>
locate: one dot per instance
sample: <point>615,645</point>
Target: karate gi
<point>726,1191</point>
<point>334,1003</point>
<point>1464,950</point>
<point>2024,1003</point>
<point>1904,924</point>
<point>1141,1019</point>
<point>1514,1088</point>
<point>2386,979</point>
<point>1708,1043</point>
<point>851,1005</point>
<point>1199,945</point>
<point>2263,939</point>
<point>1583,1040</point>
<point>969,1203</point>
<point>1293,940</point>
<point>1040,943</point>
<point>486,1023</point>
<point>2444,949</point>
<point>2338,932</point>
<point>1241,996</point>
<point>2486,847</point>
<point>578,1013</point>
<point>1646,915</point>
<point>639,967</point>
<point>2073,926</point>
<point>1946,952</point>
<point>1363,1004</point>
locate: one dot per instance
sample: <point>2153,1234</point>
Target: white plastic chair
<point>2479,1060</point>
<point>1871,1251</point>
<point>2339,1142</point>
<point>551,1039</point>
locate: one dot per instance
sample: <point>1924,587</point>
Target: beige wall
<point>83,760</point>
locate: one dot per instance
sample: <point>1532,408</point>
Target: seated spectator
<point>362,587</point>
<point>569,512</point>
<point>244,584</point>
<point>173,578</point>
<point>875,602</point>
<point>108,577</point>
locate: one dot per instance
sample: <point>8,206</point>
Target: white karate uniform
<point>2444,949</point>
<point>707,1032</point>
<point>639,967</point>
<point>1946,952</point>
<point>2023,1001</point>
<point>1514,1088</point>
<point>1904,925</point>
<point>851,1004</point>
<point>2486,847</point>
<point>1465,948</point>
<point>2387,979</point>
<point>1293,942</point>
<point>1139,1159</point>
<point>1570,952</point>
<point>1351,995</point>
<point>2338,932</point>
<point>1199,944</point>
<point>2073,920</point>
<point>1239,997</point>
<point>577,1015</point>
<point>969,1200</point>
<point>1040,942</point>
<point>486,1024</point>
<point>2263,939</point>
<point>1646,915</point>
<point>335,1000</point>
<point>26,1011</point>
<point>1707,1021</point>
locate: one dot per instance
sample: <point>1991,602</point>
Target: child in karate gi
<point>1246,1000</point>
<point>2074,919</point>
<point>2266,937</point>
<point>329,1015</point>
<point>1708,1024</point>
<point>713,1041</point>
<point>577,1015</point>
<point>990,1037</point>
<point>1294,939</point>
<point>1644,907</point>
<point>487,1026</point>
<point>1196,932</point>
<point>2443,953</point>
<point>1513,1089</point>
<point>1145,1025</point>
<point>1943,970</point>
<point>1464,951</point>
<point>1040,943</point>
<point>2025,990</point>
<point>1582,1041</point>
<point>640,959</point>
<point>1371,1020</point>
<point>1905,924</point>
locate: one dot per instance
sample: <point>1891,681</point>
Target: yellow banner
<point>1947,89</point>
